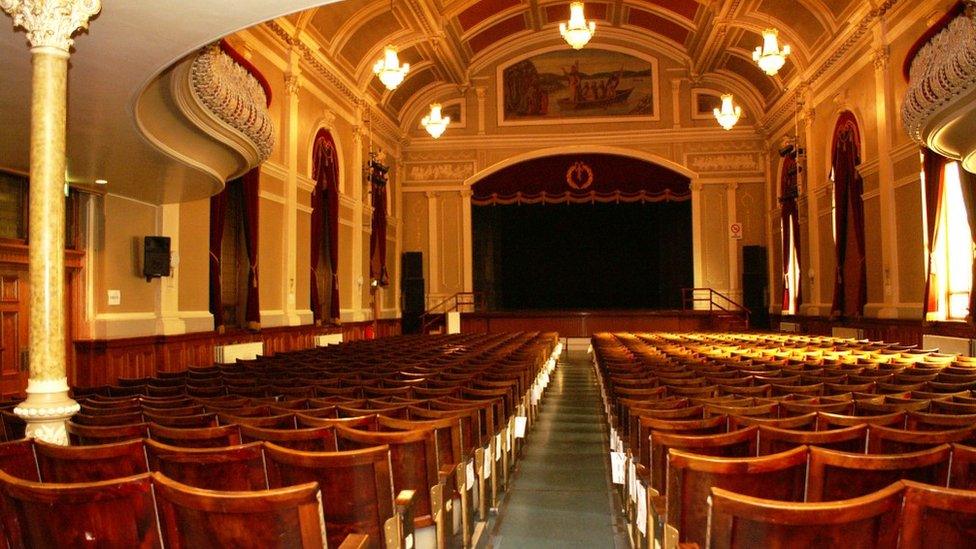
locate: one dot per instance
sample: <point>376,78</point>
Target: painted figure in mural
<point>573,76</point>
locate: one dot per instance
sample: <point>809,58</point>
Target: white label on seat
<point>618,462</point>
<point>498,446</point>
<point>408,542</point>
<point>520,423</point>
<point>486,467</point>
<point>641,508</point>
<point>469,482</point>
<point>449,505</point>
<point>632,476</point>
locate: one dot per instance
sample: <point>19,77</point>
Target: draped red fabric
<point>790,218</point>
<point>933,167</point>
<point>250,183</point>
<point>377,238</point>
<point>325,171</point>
<point>581,178</point>
<point>968,184</point>
<point>850,283</point>
<point>218,209</point>
<point>315,236</point>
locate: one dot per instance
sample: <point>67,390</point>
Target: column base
<point>47,410</point>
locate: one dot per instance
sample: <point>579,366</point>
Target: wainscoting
<point>905,331</point>
<point>586,323</point>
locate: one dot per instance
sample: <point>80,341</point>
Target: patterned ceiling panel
<point>658,25</point>
<point>369,34</point>
<point>496,32</point>
<point>557,13</point>
<point>476,13</point>
<point>797,17</point>
<point>749,71</point>
<point>414,83</point>
<point>328,22</point>
<point>685,8</point>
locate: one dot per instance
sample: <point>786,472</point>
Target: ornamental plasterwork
<point>234,96</point>
<point>447,154</point>
<point>725,163</point>
<point>942,70</point>
<point>454,171</point>
<point>51,23</point>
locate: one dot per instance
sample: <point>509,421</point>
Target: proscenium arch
<point>696,214</point>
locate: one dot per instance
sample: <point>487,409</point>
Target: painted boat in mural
<point>619,97</point>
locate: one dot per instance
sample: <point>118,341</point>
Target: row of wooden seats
<point>151,510</point>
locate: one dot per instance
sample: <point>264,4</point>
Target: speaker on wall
<point>411,266</point>
<point>414,298</point>
<point>156,257</point>
<point>755,287</point>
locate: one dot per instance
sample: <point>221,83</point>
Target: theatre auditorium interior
<point>469,274</point>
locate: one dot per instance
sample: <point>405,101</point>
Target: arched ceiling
<point>444,40</point>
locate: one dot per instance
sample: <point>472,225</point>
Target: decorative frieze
<point>440,171</point>
<point>234,96</point>
<point>725,163</point>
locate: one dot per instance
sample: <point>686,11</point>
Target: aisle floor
<point>561,494</point>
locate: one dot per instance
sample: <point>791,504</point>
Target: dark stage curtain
<point>584,256</point>
<point>967,181</point>
<point>933,167</point>
<point>850,282</point>
<point>377,237</point>
<point>218,209</point>
<point>325,219</point>
<point>790,219</point>
<point>251,181</point>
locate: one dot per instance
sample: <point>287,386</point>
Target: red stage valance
<point>581,178</point>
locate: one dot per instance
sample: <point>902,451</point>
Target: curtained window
<point>850,277</point>
<point>790,223</point>
<point>234,253</point>
<point>948,206</point>
<point>324,285</point>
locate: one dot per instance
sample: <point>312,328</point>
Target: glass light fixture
<point>770,57</point>
<point>389,70</point>
<point>578,31</point>
<point>728,115</point>
<point>434,123</point>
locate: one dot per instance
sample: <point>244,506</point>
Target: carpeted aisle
<point>561,494</point>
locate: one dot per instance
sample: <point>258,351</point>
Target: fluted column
<point>49,25</point>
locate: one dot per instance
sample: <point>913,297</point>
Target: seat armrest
<point>399,528</point>
<point>355,541</point>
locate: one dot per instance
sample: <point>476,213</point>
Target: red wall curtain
<point>218,209</point>
<point>790,218</point>
<point>250,181</point>
<point>967,181</point>
<point>933,166</point>
<point>377,238</point>
<point>325,211</point>
<point>850,283</point>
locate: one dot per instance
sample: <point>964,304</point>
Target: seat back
<point>963,472</point>
<point>849,439</point>
<point>741,443</point>
<point>17,459</point>
<point>109,513</point>
<point>312,439</point>
<point>90,463</point>
<point>937,517</point>
<point>691,476</point>
<point>85,435</point>
<point>282,518</point>
<point>868,522</point>
<point>357,489</point>
<point>835,475</point>
<point>231,468</point>
<point>196,437</point>
<point>885,440</point>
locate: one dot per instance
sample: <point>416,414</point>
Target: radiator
<point>948,345</point>
<point>328,339</point>
<point>847,333</point>
<point>229,354</point>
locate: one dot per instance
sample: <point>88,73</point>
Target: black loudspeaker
<point>411,266</point>
<point>414,300</point>
<point>155,259</point>
<point>755,287</point>
<point>411,324</point>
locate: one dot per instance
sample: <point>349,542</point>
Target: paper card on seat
<point>632,476</point>
<point>641,508</point>
<point>520,424</point>
<point>408,542</point>
<point>618,464</point>
<point>486,467</point>
<point>498,446</point>
<point>469,473</point>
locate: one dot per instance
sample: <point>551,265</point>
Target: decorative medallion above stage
<point>567,86</point>
<point>581,178</point>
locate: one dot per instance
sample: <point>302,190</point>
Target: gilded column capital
<point>880,57</point>
<point>51,23</point>
<point>293,83</point>
<point>431,194</point>
<point>466,193</point>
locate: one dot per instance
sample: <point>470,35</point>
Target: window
<point>951,277</point>
<point>792,276</point>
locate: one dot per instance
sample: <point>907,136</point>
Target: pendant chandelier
<point>389,70</point>
<point>770,57</point>
<point>578,31</point>
<point>728,115</point>
<point>434,123</point>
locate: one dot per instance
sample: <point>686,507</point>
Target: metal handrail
<point>460,299</point>
<point>690,296</point>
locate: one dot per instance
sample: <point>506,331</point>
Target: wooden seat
<point>67,464</point>
<point>84,435</point>
<point>231,468</point>
<point>938,517</point>
<point>17,459</point>
<point>690,477</point>
<point>639,438</point>
<point>773,440</point>
<point>867,522</point>
<point>928,421</point>
<point>357,489</point>
<point>193,518</point>
<point>837,475</point>
<point>741,443</point>
<point>804,422</point>
<point>109,513</point>
<point>311,439</point>
<point>885,440</point>
<point>281,421</point>
<point>963,472</point>
<point>826,420</point>
<point>200,437</point>
<point>195,420</point>
<point>125,418</point>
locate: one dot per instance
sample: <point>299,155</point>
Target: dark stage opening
<point>583,256</point>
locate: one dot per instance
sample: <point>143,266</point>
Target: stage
<point>586,323</point>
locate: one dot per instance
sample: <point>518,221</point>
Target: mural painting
<point>589,83</point>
